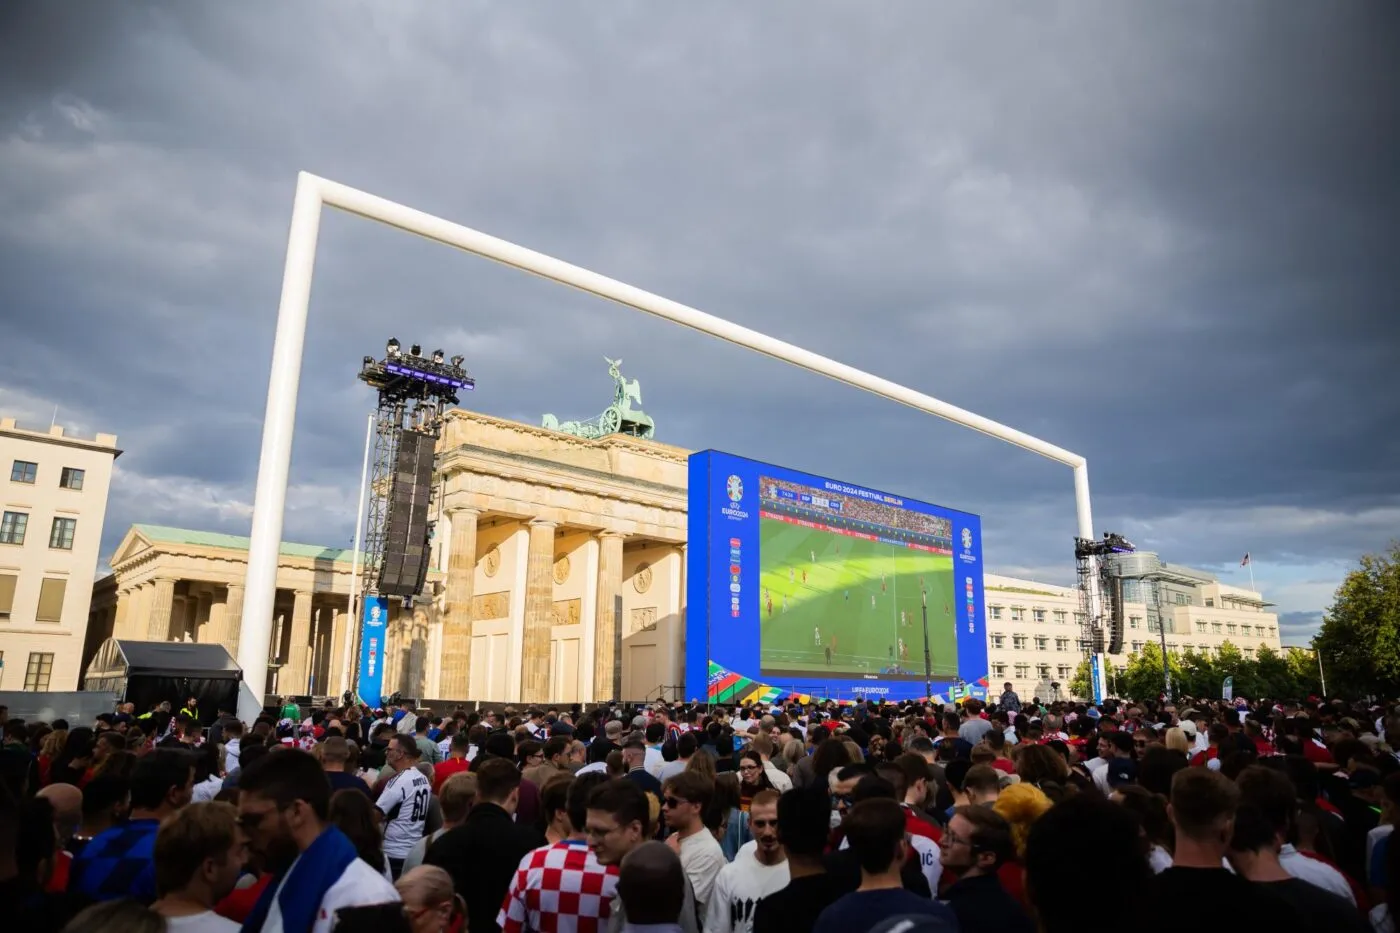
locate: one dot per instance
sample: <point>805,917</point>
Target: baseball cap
<point>1121,771</point>
<point>1189,727</point>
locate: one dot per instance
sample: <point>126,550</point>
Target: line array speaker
<point>406,530</point>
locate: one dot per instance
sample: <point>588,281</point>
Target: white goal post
<point>314,193</point>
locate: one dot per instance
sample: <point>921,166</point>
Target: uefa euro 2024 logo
<point>967,538</point>
<point>735,488</point>
<point>374,616</point>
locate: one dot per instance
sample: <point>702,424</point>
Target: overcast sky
<point>1159,235</point>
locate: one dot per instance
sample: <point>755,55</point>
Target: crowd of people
<point>981,818</point>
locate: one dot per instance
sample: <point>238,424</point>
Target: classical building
<point>1033,629</point>
<point>172,584</point>
<point>558,560</point>
<point>54,504</point>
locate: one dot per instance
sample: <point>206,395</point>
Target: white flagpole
<point>347,658</point>
<point>1250,558</point>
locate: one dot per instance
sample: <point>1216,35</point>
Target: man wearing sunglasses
<point>684,799</point>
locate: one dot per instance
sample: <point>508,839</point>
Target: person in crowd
<point>634,754</point>
<point>199,855</point>
<point>335,759</point>
<point>651,886</point>
<point>976,844</point>
<point>874,829</point>
<point>356,816</point>
<point>283,809</point>
<point>562,887</point>
<point>455,798</point>
<point>685,799</point>
<point>1263,820</point>
<point>458,760</point>
<point>403,801</point>
<point>759,869</point>
<point>686,747</point>
<point>753,778</point>
<point>803,830</point>
<point>618,820</point>
<point>119,862</point>
<point>429,900</point>
<point>1203,806</point>
<point>483,852</point>
<point>67,803</point>
<point>1151,811</point>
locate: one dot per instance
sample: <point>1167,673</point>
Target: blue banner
<point>372,630</point>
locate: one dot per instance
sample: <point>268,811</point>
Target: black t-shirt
<point>796,907</point>
<point>1320,911</point>
<point>342,781</point>
<point>1219,901</point>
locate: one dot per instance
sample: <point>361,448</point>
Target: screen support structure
<point>313,194</point>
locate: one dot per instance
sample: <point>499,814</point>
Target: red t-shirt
<point>445,769</point>
<point>1004,766</point>
<point>240,901</point>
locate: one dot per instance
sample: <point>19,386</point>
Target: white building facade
<point>1034,633</point>
<point>53,502</point>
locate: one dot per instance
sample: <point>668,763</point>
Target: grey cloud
<point>1152,242</point>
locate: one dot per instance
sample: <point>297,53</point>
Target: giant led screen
<point>809,585</point>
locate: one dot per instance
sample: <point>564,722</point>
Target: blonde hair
<point>1176,740</point>
<point>425,886</point>
<point>457,795</point>
<point>52,744</point>
<point>702,764</point>
<point>1021,805</point>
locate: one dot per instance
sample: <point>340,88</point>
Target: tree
<point>1360,637</point>
<point>1081,685</point>
<point>1143,678</point>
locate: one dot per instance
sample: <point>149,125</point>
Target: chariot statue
<point>618,418</point>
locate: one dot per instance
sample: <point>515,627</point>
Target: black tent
<point>147,672</point>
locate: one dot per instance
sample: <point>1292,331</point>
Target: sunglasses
<point>674,802</point>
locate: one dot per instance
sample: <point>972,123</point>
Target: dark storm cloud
<point>1156,236</point>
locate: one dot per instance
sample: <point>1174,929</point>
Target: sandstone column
<point>162,607</point>
<point>455,679</point>
<point>539,614</point>
<point>299,650</point>
<point>123,612</point>
<point>607,647</point>
<point>216,631</point>
<point>204,617</point>
<point>233,617</point>
<point>336,683</point>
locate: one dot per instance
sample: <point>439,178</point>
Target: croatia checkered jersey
<point>560,888</point>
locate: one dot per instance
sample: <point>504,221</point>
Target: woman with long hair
<point>50,747</point>
<point>72,763</point>
<point>752,778</point>
<point>354,814</point>
<point>1151,810</point>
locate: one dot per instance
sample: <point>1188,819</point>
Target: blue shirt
<point>862,910</point>
<point>118,862</point>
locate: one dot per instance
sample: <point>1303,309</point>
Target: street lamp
<point>928,660</point>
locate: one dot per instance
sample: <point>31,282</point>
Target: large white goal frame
<point>312,195</point>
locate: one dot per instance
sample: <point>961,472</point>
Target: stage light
<point>393,346</point>
<point>415,350</point>
<point>368,362</point>
<point>458,360</point>
<point>437,356</point>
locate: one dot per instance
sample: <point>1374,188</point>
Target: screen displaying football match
<point>804,584</point>
<point>844,583</point>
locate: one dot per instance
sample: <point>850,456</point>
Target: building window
<point>1018,642</point>
<point>994,612</point>
<point>1062,644</point>
<point>22,471</point>
<point>12,526</point>
<point>1018,614</point>
<point>1153,624</point>
<point>1215,628</point>
<point>1038,615</point>
<point>1231,628</point>
<point>1022,671</point>
<point>1137,646</point>
<point>1271,631</point>
<point>61,535</point>
<point>1061,617</point>
<point>1063,671</point>
<point>72,478</point>
<point>1079,618</point>
<point>1210,603</point>
<point>1182,599</point>
<point>40,669</point>
<point>1249,653</point>
<point>1041,643</point>
<point>998,642</point>
<point>1134,621</point>
<point>1043,671</point>
<point>999,670</point>
<point>51,592</point>
<point>7,595</point>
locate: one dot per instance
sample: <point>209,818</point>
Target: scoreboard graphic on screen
<point>800,584</point>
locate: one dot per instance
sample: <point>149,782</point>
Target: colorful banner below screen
<point>372,631</point>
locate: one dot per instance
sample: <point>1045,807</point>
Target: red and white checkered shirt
<point>559,889</point>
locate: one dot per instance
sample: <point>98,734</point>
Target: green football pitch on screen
<point>831,604</point>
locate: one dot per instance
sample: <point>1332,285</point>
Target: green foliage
<point>1081,685</point>
<point>1360,637</point>
<point>1291,674</point>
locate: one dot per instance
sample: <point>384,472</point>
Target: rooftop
<point>56,433</point>
<point>164,534</point>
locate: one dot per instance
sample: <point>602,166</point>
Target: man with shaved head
<point>651,887</point>
<point>67,803</point>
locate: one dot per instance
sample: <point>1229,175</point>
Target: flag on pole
<point>1245,562</point>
